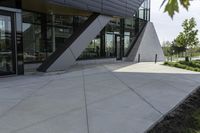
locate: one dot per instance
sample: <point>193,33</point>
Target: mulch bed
<point>184,119</point>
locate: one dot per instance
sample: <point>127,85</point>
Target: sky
<point>167,28</point>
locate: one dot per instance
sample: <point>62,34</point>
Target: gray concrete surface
<point>147,46</point>
<point>108,98</point>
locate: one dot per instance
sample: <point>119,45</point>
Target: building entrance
<point>7,44</point>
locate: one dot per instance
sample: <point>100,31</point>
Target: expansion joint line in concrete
<point>133,90</point>
<point>25,98</point>
<point>85,99</point>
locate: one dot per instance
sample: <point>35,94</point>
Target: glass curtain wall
<point>93,50</point>
<point>134,26</point>
<point>103,46</point>
<point>7,63</point>
<point>44,33</point>
<point>129,33</point>
<point>131,28</point>
<point>112,29</point>
<point>59,29</point>
<point>144,10</point>
<point>34,47</point>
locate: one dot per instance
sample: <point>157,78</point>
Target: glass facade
<point>6,45</point>
<point>34,43</point>
<point>11,60</point>
<point>128,29</point>
<point>144,10</point>
<point>112,29</point>
<point>34,35</point>
<point>93,50</point>
<point>109,44</point>
<point>44,33</point>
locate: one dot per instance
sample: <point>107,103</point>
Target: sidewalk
<point>109,98</point>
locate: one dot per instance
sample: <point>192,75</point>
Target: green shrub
<point>192,65</point>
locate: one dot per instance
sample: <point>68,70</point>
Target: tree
<point>167,49</point>
<point>187,38</point>
<point>177,47</point>
<point>166,46</point>
<point>172,6</point>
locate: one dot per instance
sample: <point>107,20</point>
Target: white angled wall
<point>147,46</point>
<point>69,57</point>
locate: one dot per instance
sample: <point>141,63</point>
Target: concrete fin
<point>147,47</point>
<point>69,56</point>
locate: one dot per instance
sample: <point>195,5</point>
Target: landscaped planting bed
<point>188,65</point>
<point>184,119</point>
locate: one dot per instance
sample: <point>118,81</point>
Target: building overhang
<point>123,8</point>
<point>43,6</point>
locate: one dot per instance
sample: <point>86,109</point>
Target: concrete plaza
<point>105,98</point>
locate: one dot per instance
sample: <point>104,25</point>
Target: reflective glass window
<point>6,45</point>
<point>93,50</point>
<point>109,44</point>
<point>59,29</point>
<point>34,47</point>
<point>144,10</point>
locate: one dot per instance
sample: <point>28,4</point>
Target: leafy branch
<point>172,6</point>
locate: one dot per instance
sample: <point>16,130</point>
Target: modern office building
<point>52,35</point>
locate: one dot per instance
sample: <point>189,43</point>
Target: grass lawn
<point>184,119</point>
<point>188,65</point>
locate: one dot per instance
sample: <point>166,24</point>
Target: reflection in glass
<point>93,50</point>
<point>144,10</point>
<point>109,44</point>
<point>59,29</point>
<point>44,33</point>
<point>34,49</point>
<point>6,45</point>
<point>118,49</point>
<point>34,18</point>
<point>127,41</point>
<point>129,33</point>
<point>57,37</point>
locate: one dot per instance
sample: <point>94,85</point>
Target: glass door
<point>118,48</point>
<point>7,49</point>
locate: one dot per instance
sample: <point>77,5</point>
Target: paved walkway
<point>109,98</point>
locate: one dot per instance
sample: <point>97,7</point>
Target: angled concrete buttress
<point>59,61</point>
<point>147,47</point>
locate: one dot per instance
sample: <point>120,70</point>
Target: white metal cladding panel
<point>110,7</point>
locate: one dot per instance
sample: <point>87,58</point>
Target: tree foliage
<point>172,6</point>
<point>167,48</point>
<point>187,38</point>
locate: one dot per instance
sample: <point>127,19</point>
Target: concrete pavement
<point>108,98</point>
